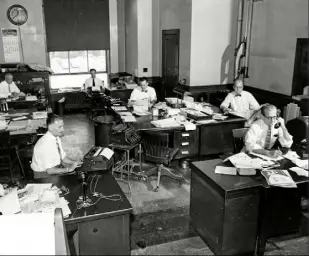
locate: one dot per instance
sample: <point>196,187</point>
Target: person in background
<point>8,88</point>
<point>306,90</point>
<point>94,82</point>
<point>48,155</point>
<point>264,133</point>
<point>239,101</point>
<point>143,92</point>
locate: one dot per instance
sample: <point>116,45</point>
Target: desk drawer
<point>187,151</point>
<point>185,136</point>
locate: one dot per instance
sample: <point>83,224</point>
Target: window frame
<point>107,63</point>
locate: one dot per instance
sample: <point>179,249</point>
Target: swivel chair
<point>156,149</point>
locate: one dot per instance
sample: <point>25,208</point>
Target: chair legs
<point>20,164</point>
<point>161,170</point>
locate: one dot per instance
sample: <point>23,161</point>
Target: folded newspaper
<point>279,178</point>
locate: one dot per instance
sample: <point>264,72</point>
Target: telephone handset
<point>278,124</point>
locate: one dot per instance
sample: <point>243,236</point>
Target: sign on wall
<point>10,45</point>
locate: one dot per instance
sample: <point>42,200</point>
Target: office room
<point>154,127</point>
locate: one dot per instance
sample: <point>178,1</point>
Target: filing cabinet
<point>187,142</point>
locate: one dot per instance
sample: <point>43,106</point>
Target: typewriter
<point>125,134</point>
<point>96,162</point>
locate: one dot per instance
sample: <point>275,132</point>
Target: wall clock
<point>17,14</point>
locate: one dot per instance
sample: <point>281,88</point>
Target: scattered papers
<point>128,119</point>
<point>28,234</point>
<point>31,98</point>
<point>301,163</point>
<point>19,118</point>
<point>206,121</point>
<point>119,108</point>
<point>189,126</point>
<point>127,113</point>
<point>291,155</point>
<point>267,158</point>
<point>108,153</point>
<point>39,115</point>
<point>300,171</point>
<point>9,203</point>
<point>226,170</point>
<point>17,114</point>
<point>246,171</point>
<point>218,116</point>
<point>279,178</point>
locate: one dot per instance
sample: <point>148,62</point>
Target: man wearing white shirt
<point>142,93</point>
<point>8,88</point>
<point>265,131</point>
<point>93,82</point>
<point>48,155</point>
<point>239,101</point>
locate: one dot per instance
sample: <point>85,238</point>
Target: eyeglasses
<point>271,117</point>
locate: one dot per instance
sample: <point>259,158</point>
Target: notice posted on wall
<point>10,45</point>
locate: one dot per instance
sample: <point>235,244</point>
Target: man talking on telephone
<point>264,133</point>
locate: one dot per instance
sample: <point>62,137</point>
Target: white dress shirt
<point>98,83</point>
<point>138,94</point>
<point>244,104</point>
<point>46,153</point>
<point>256,136</point>
<point>6,89</point>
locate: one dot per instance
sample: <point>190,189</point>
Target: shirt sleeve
<point>285,142</point>
<point>252,137</point>
<point>153,95</point>
<point>133,95</point>
<point>227,101</point>
<point>40,161</point>
<point>253,104</point>
<point>3,91</point>
<point>14,88</point>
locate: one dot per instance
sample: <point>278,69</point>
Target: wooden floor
<point>160,223</point>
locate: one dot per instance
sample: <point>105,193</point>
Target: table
<point>236,214</point>
<point>104,229</point>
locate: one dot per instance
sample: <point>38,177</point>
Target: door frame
<point>169,32</point>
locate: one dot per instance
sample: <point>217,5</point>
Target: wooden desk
<point>233,213</point>
<point>104,229</point>
<point>211,138</point>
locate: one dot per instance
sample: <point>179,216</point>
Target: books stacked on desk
<point>279,178</point>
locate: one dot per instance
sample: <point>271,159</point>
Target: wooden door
<point>170,60</point>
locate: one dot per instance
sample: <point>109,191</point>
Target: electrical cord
<point>114,197</point>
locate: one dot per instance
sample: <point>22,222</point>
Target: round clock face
<point>17,14</point>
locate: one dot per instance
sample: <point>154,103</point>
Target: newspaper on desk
<point>279,178</point>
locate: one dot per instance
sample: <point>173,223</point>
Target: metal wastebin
<point>102,129</point>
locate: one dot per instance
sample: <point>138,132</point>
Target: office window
<point>76,62</point>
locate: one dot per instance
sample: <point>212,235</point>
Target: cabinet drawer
<point>185,136</point>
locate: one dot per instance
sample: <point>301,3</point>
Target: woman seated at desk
<point>8,88</point>
<point>142,93</point>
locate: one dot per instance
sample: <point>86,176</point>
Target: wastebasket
<point>102,129</point>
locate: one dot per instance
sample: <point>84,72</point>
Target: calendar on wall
<point>10,45</point>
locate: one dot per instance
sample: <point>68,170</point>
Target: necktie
<point>268,137</point>
<point>93,83</point>
<point>59,150</point>
<point>9,89</point>
<point>238,95</point>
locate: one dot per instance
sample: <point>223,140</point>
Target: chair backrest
<point>238,138</point>
<point>5,143</point>
<point>156,147</point>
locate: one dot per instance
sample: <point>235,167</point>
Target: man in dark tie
<point>48,154</point>
<point>239,101</point>
<point>264,133</point>
<point>93,82</point>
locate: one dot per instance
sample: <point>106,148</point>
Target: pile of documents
<point>279,178</point>
<point>165,123</point>
<point>33,198</point>
<point>127,116</point>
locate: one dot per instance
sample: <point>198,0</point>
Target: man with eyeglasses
<point>266,131</point>
<point>239,102</point>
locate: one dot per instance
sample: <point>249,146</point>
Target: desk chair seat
<point>8,154</point>
<point>238,138</point>
<point>156,149</point>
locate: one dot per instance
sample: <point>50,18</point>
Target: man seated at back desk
<point>48,155</point>
<point>264,133</point>
<point>143,94</point>
<point>239,101</point>
<point>93,83</point>
<point>8,89</point>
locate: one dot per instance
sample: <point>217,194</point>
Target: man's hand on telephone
<point>281,121</point>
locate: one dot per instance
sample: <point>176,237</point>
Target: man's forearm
<point>68,160</point>
<point>56,170</point>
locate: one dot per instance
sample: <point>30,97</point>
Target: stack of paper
<point>128,119</point>
<point>279,178</point>
<point>225,170</point>
<point>9,204</point>
<point>243,161</point>
<point>246,171</point>
<point>119,108</point>
<point>267,158</point>
<point>300,171</point>
<point>165,123</point>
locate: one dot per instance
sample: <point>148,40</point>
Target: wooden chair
<point>156,149</point>
<point>238,138</point>
<point>7,151</point>
<point>3,105</point>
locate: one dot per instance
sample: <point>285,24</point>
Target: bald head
<point>9,78</point>
<point>238,86</point>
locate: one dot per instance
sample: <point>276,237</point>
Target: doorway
<point>170,60</point>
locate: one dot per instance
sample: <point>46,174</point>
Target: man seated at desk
<point>8,88</point>
<point>239,101</point>
<point>142,93</point>
<point>48,155</point>
<point>264,133</point>
<point>93,82</point>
